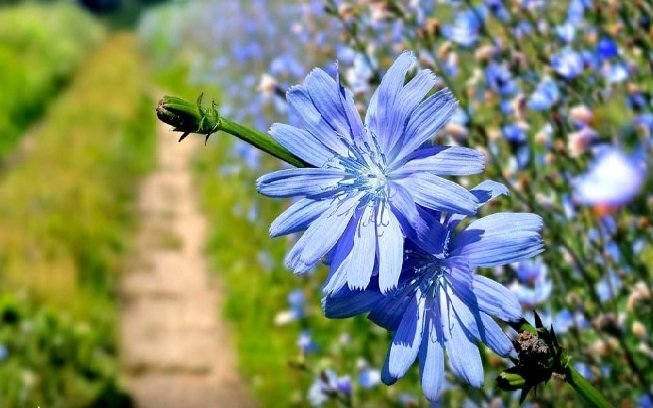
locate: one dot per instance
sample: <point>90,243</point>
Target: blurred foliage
<point>40,48</point>
<point>45,356</point>
<point>64,225</point>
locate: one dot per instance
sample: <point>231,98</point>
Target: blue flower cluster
<point>378,210</point>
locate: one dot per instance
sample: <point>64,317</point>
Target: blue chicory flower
<point>326,385</point>
<point>441,304</point>
<point>514,133</point>
<point>613,180</point>
<point>306,343</point>
<point>566,32</point>
<point>497,9</point>
<point>576,11</point>
<point>607,48</point>
<point>533,286</point>
<point>466,27</point>
<point>615,73</point>
<point>545,95</point>
<point>568,63</point>
<point>500,80</point>
<point>369,377</point>
<point>371,179</point>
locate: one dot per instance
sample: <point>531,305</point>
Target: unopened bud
<point>639,330</point>
<point>582,114</point>
<point>508,381</point>
<point>580,141</point>
<point>188,117</point>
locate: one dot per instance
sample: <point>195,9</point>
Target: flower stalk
<point>188,117</point>
<point>583,387</point>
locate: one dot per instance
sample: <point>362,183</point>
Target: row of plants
<point>65,224</point>
<point>41,46</point>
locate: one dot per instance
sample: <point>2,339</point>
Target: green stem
<point>584,388</point>
<point>188,117</point>
<point>261,141</point>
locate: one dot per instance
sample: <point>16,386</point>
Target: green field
<point>40,49</point>
<point>65,224</point>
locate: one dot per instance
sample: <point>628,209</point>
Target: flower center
<point>374,179</point>
<point>366,164</point>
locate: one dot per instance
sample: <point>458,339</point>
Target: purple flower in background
<point>497,9</point>
<point>608,286</point>
<point>533,286</point>
<point>466,26</point>
<point>607,48</point>
<point>514,132</point>
<point>576,11</point>
<point>441,304</point>
<point>645,122</point>
<point>306,343</point>
<point>371,180</point>
<point>369,377</point>
<point>326,385</point>
<point>545,95</point>
<point>613,179</point>
<point>499,79</point>
<point>615,73</point>
<point>566,32</point>
<point>568,63</point>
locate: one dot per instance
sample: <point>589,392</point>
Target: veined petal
<point>301,181</point>
<point>298,216</point>
<point>389,310</point>
<point>422,227</point>
<point>325,94</point>
<point>449,160</point>
<point>499,239</point>
<point>480,326</point>
<point>359,264</point>
<point>495,338</point>
<point>425,121</point>
<point>464,357</point>
<point>408,99</point>
<point>348,303</point>
<point>349,108</point>
<point>301,143</point>
<point>485,191</point>
<point>383,101</point>
<point>489,190</point>
<point>431,363</point>
<point>436,193</point>
<point>407,339</point>
<point>495,299</point>
<point>302,105</point>
<point>321,236</point>
<point>337,281</point>
<point>406,211</point>
<point>390,250</point>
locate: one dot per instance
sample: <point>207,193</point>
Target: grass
<point>66,212</point>
<point>41,46</point>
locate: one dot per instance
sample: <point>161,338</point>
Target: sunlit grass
<point>41,46</point>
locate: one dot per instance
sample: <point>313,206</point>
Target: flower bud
<point>188,117</point>
<point>581,114</point>
<point>639,330</point>
<point>580,141</point>
<point>510,381</point>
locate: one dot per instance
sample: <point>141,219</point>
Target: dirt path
<point>175,349</point>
